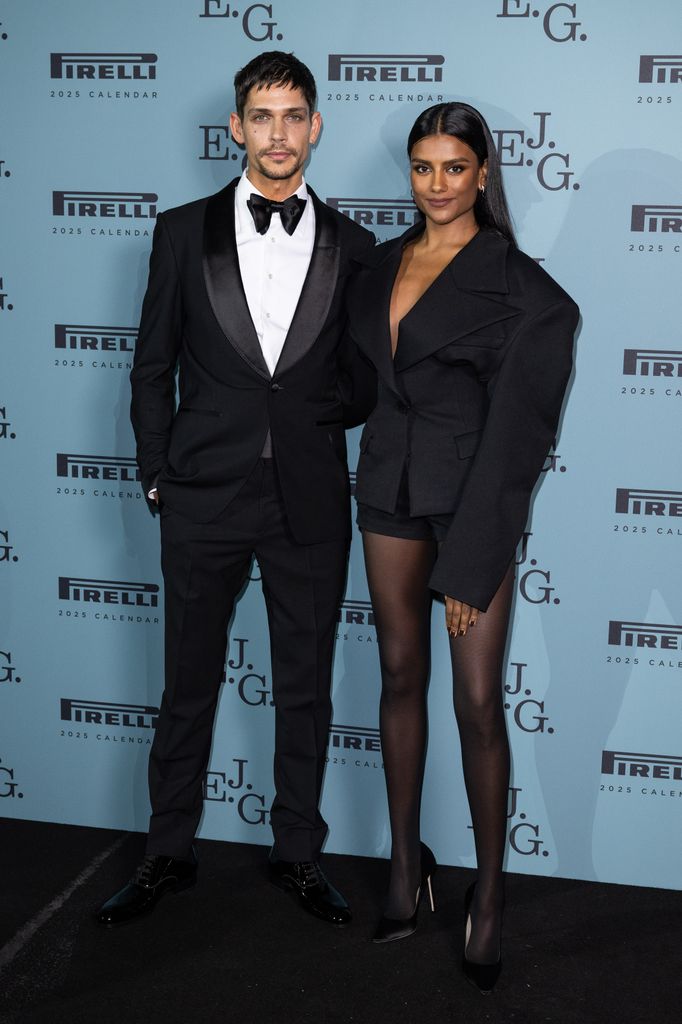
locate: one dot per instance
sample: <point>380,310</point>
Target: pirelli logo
<point>87,338</point>
<point>356,613</point>
<point>97,467</point>
<point>660,70</point>
<point>102,712</point>
<point>353,737</point>
<point>377,212</point>
<point>105,205</point>
<point>89,591</point>
<point>645,635</point>
<point>91,67</point>
<point>663,219</point>
<point>641,766</point>
<point>378,67</point>
<point>639,502</point>
<point>652,362</point>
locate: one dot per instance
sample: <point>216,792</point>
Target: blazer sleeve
<point>526,394</point>
<point>357,383</point>
<point>357,378</point>
<point>152,378</point>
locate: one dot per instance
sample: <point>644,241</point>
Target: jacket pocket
<point>337,439</point>
<point>467,444</point>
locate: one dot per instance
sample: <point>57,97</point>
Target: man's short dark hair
<point>274,68</point>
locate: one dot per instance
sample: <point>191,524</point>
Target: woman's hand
<point>459,616</point>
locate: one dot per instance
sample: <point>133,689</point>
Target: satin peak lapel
<point>317,292</point>
<point>224,282</point>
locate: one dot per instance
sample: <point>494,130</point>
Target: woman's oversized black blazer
<point>471,400</point>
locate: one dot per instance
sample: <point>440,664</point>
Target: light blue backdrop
<point>125,104</point>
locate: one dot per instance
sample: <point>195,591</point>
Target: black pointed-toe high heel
<point>391,928</point>
<point>481,976</point>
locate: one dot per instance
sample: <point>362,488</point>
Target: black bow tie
<point>262,209</point>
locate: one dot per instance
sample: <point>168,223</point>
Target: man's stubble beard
<point>274,175</point>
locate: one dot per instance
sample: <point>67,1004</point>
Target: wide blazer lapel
<point>468,296</point>
<point>224,282</point>
<point>318,289</point>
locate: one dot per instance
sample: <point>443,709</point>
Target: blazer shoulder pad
<point>188,213</point>
<point>352,233</point>
<point>527,277</point>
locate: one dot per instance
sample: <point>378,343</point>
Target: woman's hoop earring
<point>481,189</point>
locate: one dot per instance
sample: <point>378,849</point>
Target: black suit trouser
<point>205,566</point>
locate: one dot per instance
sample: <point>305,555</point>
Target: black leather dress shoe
<point>315,894</point>
<point>155,876</point>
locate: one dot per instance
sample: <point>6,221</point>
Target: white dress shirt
<point>273,268</point>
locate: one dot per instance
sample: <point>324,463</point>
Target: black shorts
<point>400,523</point>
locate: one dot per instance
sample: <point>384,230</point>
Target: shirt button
<point>270,276</point>
<point>267,315</point>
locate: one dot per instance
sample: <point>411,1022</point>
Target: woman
<point>472,343</point>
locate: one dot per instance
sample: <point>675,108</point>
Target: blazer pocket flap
<point>467,444</point>
<point>483,339</point>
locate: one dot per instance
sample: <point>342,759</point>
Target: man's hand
<point>459,616</point>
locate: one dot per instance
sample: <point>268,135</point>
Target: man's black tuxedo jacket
<point>195,316</point>
<point>472,397</point>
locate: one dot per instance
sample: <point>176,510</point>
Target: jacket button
<point>276,387</point>
<point>404,406</point>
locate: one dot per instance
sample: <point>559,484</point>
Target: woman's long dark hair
<point>466,124</point>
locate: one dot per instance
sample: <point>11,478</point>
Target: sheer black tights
<point>398,571</point>
<point>477,661</point>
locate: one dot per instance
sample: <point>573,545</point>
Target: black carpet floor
<point>234,949</point>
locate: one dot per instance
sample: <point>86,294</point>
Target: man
<point>245,296</point>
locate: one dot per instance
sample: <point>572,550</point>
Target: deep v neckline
<point>434,281</point>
